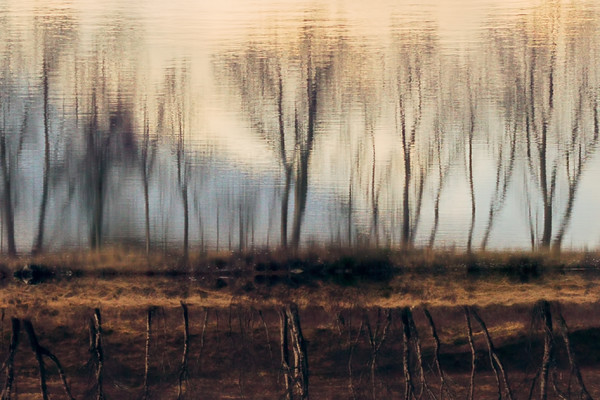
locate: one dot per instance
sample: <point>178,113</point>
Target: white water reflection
<point>443,123</point>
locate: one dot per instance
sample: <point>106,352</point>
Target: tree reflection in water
<point>509,352</point>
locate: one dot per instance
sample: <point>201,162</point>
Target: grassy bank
<point>362,261</point>
<point>318,277</point>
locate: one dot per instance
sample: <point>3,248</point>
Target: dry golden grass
<point>119,277</point>
<point>113,257</point>
<point>135,260</point>
<point>411,290</point>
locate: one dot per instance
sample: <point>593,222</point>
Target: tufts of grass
<point>343,264</point>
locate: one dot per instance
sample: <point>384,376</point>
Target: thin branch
<point>436,339</point>
<point>473,354</point>
<point>498,368</point>
<point>184,357</point>
<point>564,332</point>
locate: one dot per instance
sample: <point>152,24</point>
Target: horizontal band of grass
<point>363,261</point>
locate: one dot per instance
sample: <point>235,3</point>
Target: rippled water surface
<point>233,124</point>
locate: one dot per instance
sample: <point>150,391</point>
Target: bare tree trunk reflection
<point>444,167</point>
<point>301,188</point>
<point>10,149</point>
<point>544,310</point>
<point>287,164</point>
<point>39,240</point>
<point>9,218</point>
<point>376,339</point>
<point>39,352</point>
<point>300,353</point>
<point>97,349</point>
<point>289,83</point>
<point>97,146</point>
<point>473,353</point>
<point>496,363</point>
<point>564,332</point>
<point>411,335</point>
<point>470,162</point>
<point>576,166</point>
<point>408,137</point>
<point>540,116</point>
<point>409,389</point>
<point>434,334</point>
<point>174,116</point>
<point>183,368</point>
<point>285,355</point>
<point>149,315</point>
<point>295,376</point>
<point>504,175</point>
<point>352,347</point>
<point>267,336</point>
<point>9,362</point>
<point>148,150</point>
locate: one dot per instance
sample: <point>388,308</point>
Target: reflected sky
<point>468,124</point>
